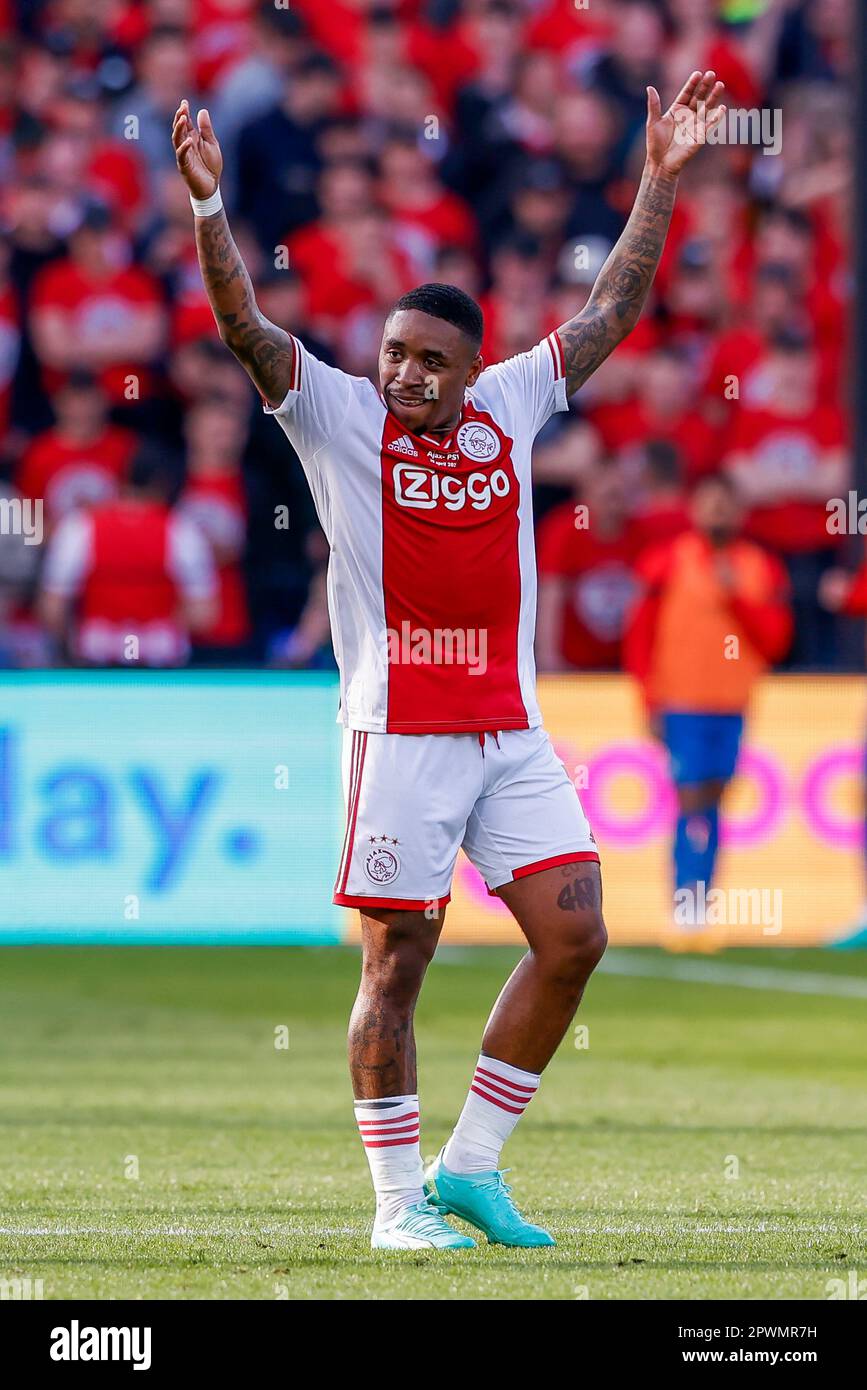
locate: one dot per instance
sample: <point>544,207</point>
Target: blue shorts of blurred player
<point>704,751</point>
<point>702,747</point>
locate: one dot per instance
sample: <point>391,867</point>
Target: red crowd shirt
<point>562,27</point>
<point>795,524</point>
<point>741,354</point>
<point>67,475</point>
<point>601,582</point>
<point>331,288</point>
<point>221,31</point>
<point>627,428</point>
<point>115,174</point>
<point>736,363</point>
<point>191,314</point>
<point>722,57</point>
<point>90,303</point>
<point>444,56</point>
<point>661,521</point>
<point>496,345</point>
<point>129,26</point>
<point>445,221</point>
<point>129,575</point>
<point>338,27</point>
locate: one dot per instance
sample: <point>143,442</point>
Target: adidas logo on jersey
<point>404,445</point>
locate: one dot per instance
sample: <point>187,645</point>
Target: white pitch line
<point>620,962</point>
<point>157,1232</point>
<point>759,1229</point>
<point>625,1229</point>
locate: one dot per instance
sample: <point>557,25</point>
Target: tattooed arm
<point>263,349</point>
<point>624,281</point>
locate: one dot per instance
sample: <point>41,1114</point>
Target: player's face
<point>715,511</point>
<point>425,365</point>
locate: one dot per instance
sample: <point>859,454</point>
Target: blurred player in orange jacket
<point>713,615</point>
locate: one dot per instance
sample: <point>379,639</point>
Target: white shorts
<point>413,800</point>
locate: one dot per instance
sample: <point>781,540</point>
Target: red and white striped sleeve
<point>315,405</point>
<point>558,357</point>
<point>533,384</point>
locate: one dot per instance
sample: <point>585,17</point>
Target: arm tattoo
<point>263,349</point>
<point>619,294</point>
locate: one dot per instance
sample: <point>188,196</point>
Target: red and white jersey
<point>432,575</point>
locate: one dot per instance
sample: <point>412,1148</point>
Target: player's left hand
<point>675,135</point>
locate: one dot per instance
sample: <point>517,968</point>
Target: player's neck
<point>444,430</point>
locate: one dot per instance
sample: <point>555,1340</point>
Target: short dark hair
<point>663,461</point>
<point>719,479</point>
<point>150,471</point>
<point>449,303</point>
<point>316,64</point>
<point>283,23</point>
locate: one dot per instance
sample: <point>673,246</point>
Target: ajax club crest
<point>478,441</point>
<point>382,864</point>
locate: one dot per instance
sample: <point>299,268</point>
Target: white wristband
<point>203,207</point>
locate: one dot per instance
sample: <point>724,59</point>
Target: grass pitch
<point>708,1143</point>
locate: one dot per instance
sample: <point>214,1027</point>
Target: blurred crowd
<point>369,146</point>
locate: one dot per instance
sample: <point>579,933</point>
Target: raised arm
<point>623,284</point>
<point>264,350</point>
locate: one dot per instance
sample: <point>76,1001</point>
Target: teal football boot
<point>419,1227</point>
<point>485,1201</point>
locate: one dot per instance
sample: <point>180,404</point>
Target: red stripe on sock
<point>523,1101</point>
<point>392,1129</point>
<point>504,1081</point>
<point>493,1101</point>
<point>390,1143</point>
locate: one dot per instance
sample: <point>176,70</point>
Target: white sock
<point>498,1097</point>
<point>389,1130</point>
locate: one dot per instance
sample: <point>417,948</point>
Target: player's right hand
<point>197,151</point>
